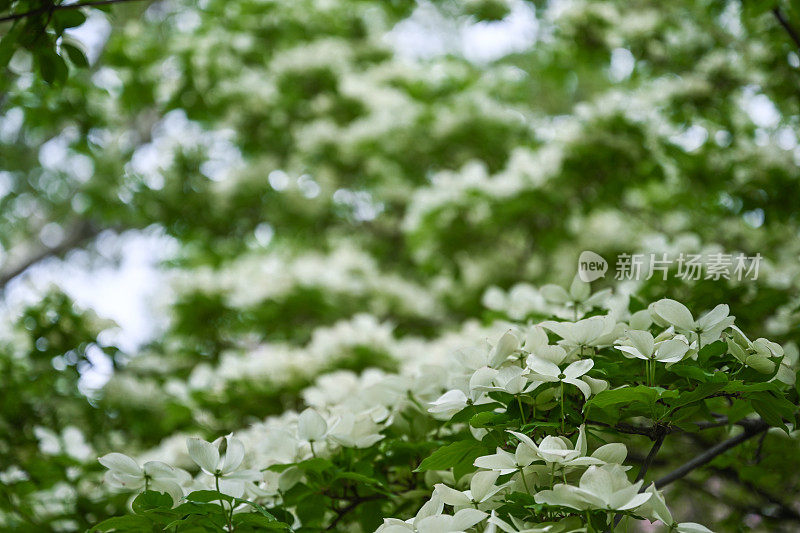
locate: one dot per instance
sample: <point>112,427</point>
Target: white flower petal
<point>713,317</point>
<point>614,452</point>
<point>692,527</point>
<point>451,496</point>
<point>204,454</point>
<point>121,463</point>
<point>555,294</point>
<point>578,368</point>
<point>542,367</point>
<point>643,341</point>
<point>675,313</point>
<point>671,351</point>
<point>233,455</point>
<point>466,518</point>
<point>482,484</point>
<point>311,426</point>
<point>587,392</point>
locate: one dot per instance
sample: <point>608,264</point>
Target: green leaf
<point>256,521</point>
<point>699,394</point>
<point>489,419</point>
<point>149,500</point>
<point>690,371</point>
<point>205,496</point>
<point>258,508</point>
<point>708,351</point>
<point>471,410</point>
<point>124,524</point>
<point>623,396</point>
<point>9,44</point>
<point>773,409</point>
<point>316,464</point>
<point>67,18</point>
<point>51,65</point>
<point>75,55</point>
<point>451,455</point>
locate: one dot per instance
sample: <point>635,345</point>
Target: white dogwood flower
<point>642,345</point>
<point>559,450</point>
<point>755,354</point>
<point>355,431</point>
<point>546,371</point>
<point>787,370</point>
<point>225,469</point>
<point>579,295</point>
<point>510,379</point>
<point>577,335</point>
<point>311,426</point>
<point>125,473</point>
<point>430,519</point>
<point>481,488</point>
<point>506,345</point>
<point>707,328</point>
<point>505,462</point>
<point>459,522</point>
<point>453,401</point>
<point>600,487</point>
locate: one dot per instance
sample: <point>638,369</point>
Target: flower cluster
<point>533,394</point>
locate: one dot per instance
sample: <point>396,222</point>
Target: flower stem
<point>524,481</point>
<point>652,373</point>
<point>222,505</point>
<point>521,410</point>
<point>562,408</point>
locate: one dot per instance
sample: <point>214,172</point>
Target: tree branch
<point>662,434</point>
<point>340,513</point>
<point>81,233</point>
<point>786,25</point>
<point>750,431</point>
<point>53,7</point>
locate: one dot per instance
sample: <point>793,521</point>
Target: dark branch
<point>750,431</point>
<point>51,8</point>
<point>661,434</point>
<point>786,26</point>
<point>653,451</point>
<point>80,234</point>
<point>340,513</point>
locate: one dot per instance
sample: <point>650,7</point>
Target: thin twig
<point>340,513</point>
<point>79,235</point>
<point>51,8</point>
<point>650,456</point>
<point>661,434</point>
<point>786,25</point>
<point>750,431</point>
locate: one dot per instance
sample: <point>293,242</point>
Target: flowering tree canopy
<point>482,266</point>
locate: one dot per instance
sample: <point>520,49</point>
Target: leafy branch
<point>60,7</point>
